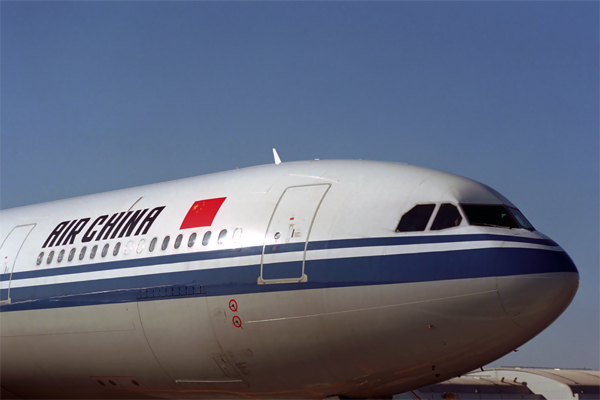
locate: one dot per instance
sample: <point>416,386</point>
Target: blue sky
<point>98,96</point>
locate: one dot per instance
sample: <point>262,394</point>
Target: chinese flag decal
<point>202,213</point>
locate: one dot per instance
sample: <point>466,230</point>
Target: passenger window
<point>50,256</point>
<point>165,243</point>
<point>129,247</point>
<point>72,254</point>
<point>105,250</point>
<point>152,245</point>
<point>82,253</point>
<point>178,241</point>
<point>61,255</point>
<point>40,258</point>
<point>416,219</point>
<point>206,238</point>
<point>93,252</point>
<point>192,239</point>
<point>116,249</point>
<point>222,236</point>
<point>447,217</point>
<point>140,246</point>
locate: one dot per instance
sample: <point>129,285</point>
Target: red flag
<point>202,213</point>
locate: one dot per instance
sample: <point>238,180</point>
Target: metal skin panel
<point>61,364</point>
<point>288,341</point>
<point>67,321</point>
<point>182,339</point>
<point>380,313</point>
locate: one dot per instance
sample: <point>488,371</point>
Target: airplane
<point>318,279</point>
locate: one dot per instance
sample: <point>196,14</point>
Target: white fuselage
<point>311,292</point>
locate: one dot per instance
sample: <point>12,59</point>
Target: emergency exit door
<point>9,251</point>
<point>287,236</point>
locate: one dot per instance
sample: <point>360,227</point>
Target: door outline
<point>16,256</point>
<point>303,277</point>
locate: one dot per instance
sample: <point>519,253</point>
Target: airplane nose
<point>534,300</point>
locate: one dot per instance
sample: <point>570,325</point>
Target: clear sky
<point>98,96</point>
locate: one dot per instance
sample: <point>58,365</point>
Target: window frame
<point>517,215</point>
<point>152,245</point>
<point>206,238</point>
<point>165,244</point>
<point>40,259</point>
<point>116,249</point>
<point>105,250</point>
<point>178,241</point>
<point>432,206</point>
<point>437,212</point>
<point>82,253</point>
<point>222,237</point>
<point>490,225</point>
<point>192,240</point>
<point>93,252</point>
<point>60,257</point>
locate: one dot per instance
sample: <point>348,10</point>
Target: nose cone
<point>535,300</point>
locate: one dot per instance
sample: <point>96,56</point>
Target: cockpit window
<point>523,222</point>
<point>489,215</point>
<point>416,219</point>
<point>447,217</point>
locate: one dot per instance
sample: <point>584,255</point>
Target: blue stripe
<point>284,248</point>
<point>423,239</point>
<point>345,272</point>
<point>140,262</point>
<point>257,250</point>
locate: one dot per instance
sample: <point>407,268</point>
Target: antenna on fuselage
<point>277,159</point>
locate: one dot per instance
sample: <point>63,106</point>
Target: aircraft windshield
<point>489,215</point>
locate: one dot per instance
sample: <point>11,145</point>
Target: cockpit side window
<point>489,215</point>
<point>416,219</point>
<point>447,217</point>
<point>523,222</point>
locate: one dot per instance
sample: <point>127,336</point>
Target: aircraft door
<point>8,256</point>
<point>285,242</point>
